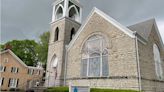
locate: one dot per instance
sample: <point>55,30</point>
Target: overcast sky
<point>27,19</point>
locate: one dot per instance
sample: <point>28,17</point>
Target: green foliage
<point>1,47</point>
<point>57,89</point>
<point>25,50</point>
<point>42,47</point>
<point>29,51</point>
<point>66,89</point>
<point>110,90</point>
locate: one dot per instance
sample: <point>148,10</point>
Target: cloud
<point>27,19</point>
<point>161,28</point>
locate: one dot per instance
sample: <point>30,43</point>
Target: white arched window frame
<point>54,62</point>
<point>158,63</point>
<point>76,15</point>
<point>59,15</point>
<point>95,57</point>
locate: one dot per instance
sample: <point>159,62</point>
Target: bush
<point>110,90</point>
<point>16,89</point>
<point>29,90</point>
<point>66,89</point>
<point>57,89</point>
<point>3,90</point>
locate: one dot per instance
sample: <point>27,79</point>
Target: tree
<point>42,48</point>
<point>29,51</point>
<point>25,50</point>
<point>1,47</point>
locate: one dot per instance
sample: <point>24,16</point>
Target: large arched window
<point>95,57</point>
<point>56,34</point>
<point>59,12</point>
<point>158,63</point>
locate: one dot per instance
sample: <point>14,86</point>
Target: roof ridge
<point>17,58</point>
<point>142,21</point>
<point>106,17</point>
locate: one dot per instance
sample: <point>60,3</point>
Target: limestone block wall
<point>57,49</point>
<point>150,82</point>
<point>122,57</point>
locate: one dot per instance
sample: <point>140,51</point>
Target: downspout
<point>138,63</point>
<point>65,66</point>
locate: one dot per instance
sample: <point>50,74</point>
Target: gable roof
<point>144,29</point>
<point>106,17</point>
<point>17,58</point>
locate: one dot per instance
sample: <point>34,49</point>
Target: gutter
<point>65,65</point>
<point>138,63</point>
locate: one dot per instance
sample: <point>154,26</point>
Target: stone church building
<point>101,52</point>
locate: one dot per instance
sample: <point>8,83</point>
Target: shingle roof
<point>143,28</point>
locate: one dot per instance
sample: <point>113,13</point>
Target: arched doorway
<point>53,71</point>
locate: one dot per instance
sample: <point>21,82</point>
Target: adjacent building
<point>101,52</point>
<point>14,73</point>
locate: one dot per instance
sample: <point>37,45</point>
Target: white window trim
<point>6,60</point>
<point>158,63</point>
<point>101,56</point>
<point>31,71</point>
<point>55,15</point>
<point>1,80</point>
<point>15,70</point>
<point>101,70</point>
<point>13,83</point>
<point>3,68</point>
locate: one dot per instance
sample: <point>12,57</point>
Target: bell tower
<point>66,20</point>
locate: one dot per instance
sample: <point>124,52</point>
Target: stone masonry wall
<point>122,57</point>
<point>57,49</point>
<point>150,82</point>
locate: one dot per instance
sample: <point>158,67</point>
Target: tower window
<point>73,13</point>
<point>56,34</point>
<point>59,12</point>
<point>72,34</point>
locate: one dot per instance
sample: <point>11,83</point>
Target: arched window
<point>158,63</point>
<point>73,13</point>
<point>54,62</point>
<point>95,57</point>
<point>72,33</point>
<point>59,12</point>
<point>56,34</point>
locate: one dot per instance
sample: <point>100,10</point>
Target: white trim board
<point>106,17</point>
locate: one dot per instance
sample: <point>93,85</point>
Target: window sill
<point>102,77</point>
